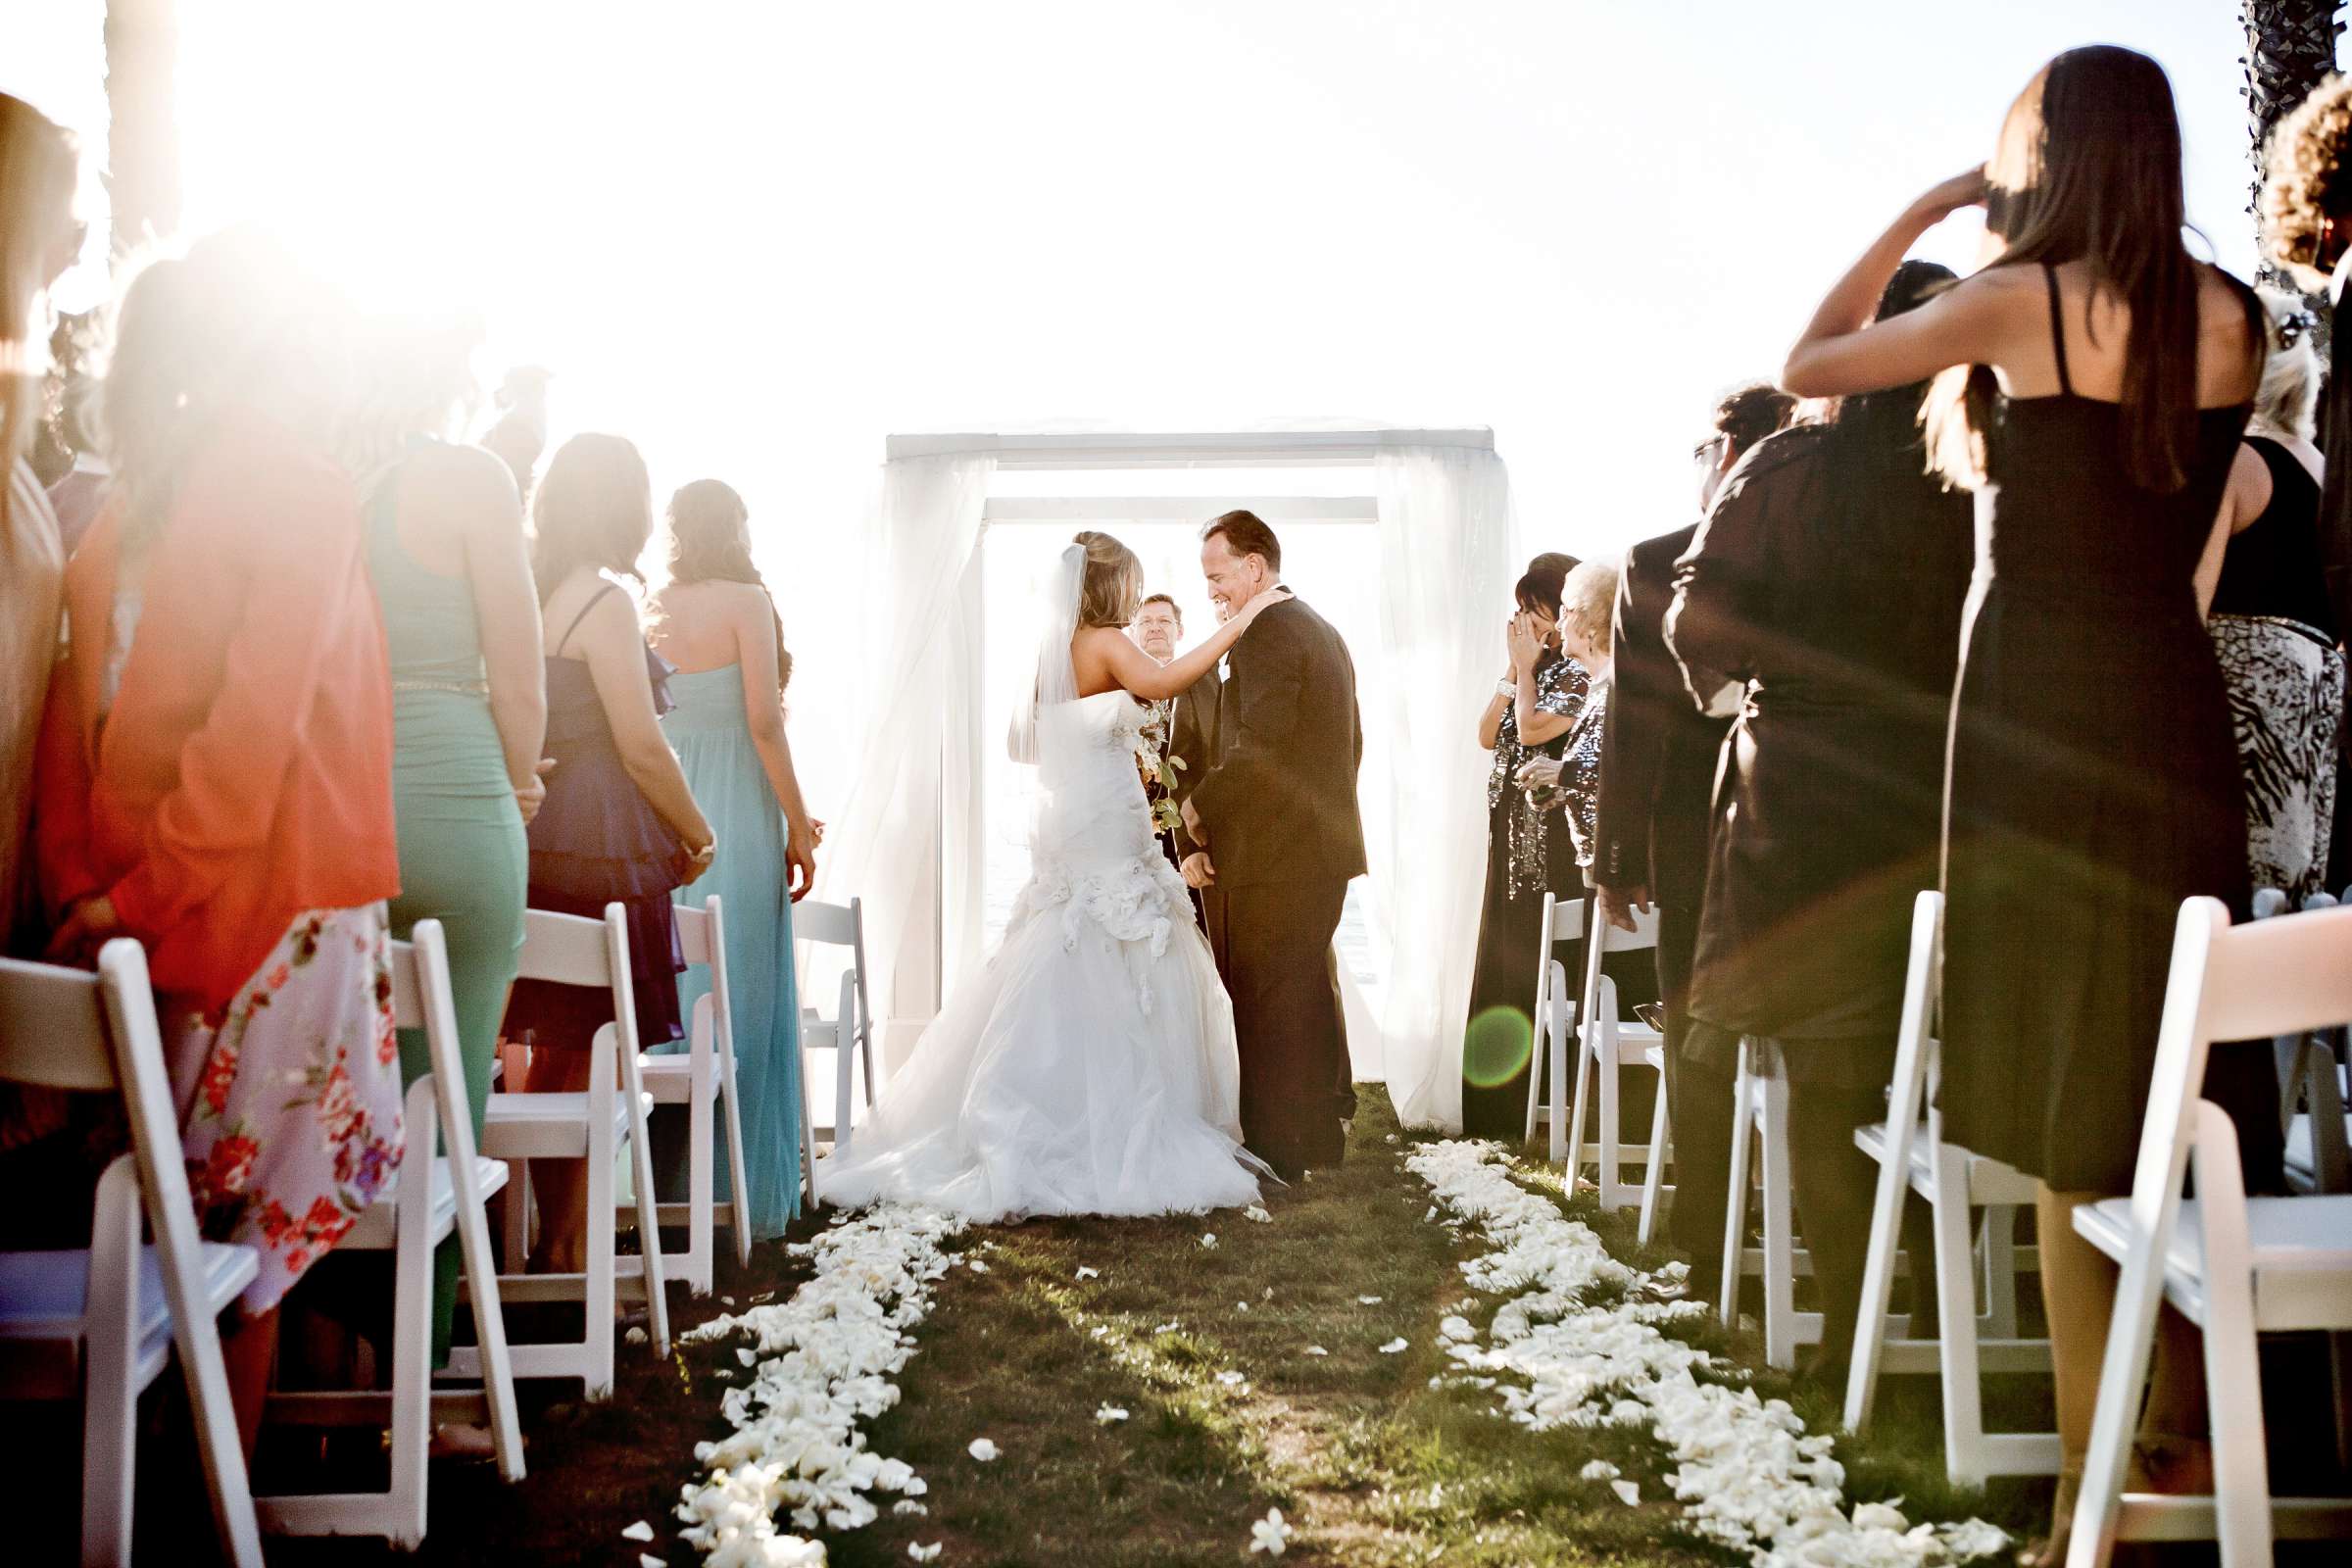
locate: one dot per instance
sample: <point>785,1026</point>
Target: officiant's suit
<point>1278,803</point>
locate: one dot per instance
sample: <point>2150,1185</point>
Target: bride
<point>1088,1067</point>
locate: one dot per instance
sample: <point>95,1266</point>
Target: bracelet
<point>1507,687</point>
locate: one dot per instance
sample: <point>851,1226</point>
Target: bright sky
<point>758,238</point>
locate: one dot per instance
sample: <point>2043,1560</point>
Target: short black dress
<point>2092,786</point>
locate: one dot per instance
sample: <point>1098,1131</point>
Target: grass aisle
<point>1231,1412</point>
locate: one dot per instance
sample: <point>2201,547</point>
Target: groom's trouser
<point>1274,949</point>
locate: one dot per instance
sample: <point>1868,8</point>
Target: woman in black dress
<point>2100,379</point>
<point>1528,852</point>
<point>1828,576</point>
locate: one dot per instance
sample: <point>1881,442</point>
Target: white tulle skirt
<point>1088,1068</point>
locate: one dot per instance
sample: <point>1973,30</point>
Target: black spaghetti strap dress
<point>2093,785</point>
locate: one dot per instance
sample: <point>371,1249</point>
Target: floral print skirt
<point>289,1097</point>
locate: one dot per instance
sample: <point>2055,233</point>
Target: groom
<point>1271,825</point>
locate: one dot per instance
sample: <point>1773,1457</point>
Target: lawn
<point>1209,1349</point>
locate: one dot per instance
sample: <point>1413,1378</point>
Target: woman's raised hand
<point>1527,643</point>
<point>1946,197</point>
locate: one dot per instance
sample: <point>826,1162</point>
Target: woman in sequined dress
<point>1528,852</point>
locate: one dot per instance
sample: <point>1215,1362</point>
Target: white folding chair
<point>847,1034</point>
<point>1914,1157</point>
<point>2235,1266</point>
<point>590,1125</point>
<point>1606,1043</point>
<point>433,1197</point>
<point>699,1078</point>
<point>1556,1016</point>
<point>120,1309</point>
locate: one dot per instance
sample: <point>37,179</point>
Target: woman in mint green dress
<point>453,580</point>
<point>713,619</point>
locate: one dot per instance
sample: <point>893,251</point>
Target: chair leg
<point>739,1186</point>
<point>2233,1375</point>
<point>413,1331</point>
<point>1780,1241</point>
<point>1964,1450</point>
<point>1878,1278</point>
<point>1658,1134</point>
<point>1610,1130</point>
<point>110,1412</point>
<point>1734,1209</point>
<point>701,1184</point>
<point>598,1292</point>
<point>1570,1047</point>
<point>2122,1378</point>
<point>1534,1069</point>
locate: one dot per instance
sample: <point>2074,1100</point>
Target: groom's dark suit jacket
<point>1279,799</point>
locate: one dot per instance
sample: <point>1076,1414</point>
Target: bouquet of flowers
<point>1157,769</point>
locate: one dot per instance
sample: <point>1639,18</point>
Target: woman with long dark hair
<point>1528,852</point>
<point>717,622</point>
<point>619,822</point>
<point>2093,381</point>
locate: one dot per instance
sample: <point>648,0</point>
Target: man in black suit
<point>1275,828</point>
<point>1657,781</point>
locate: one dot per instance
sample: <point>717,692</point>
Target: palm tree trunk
<point>142,46</point>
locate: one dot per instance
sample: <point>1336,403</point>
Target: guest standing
<point>715,622</point>
<point>217,767</point>
<point>1574,775</point>
<point>2102,380</point>
<point>1527,853</point>
<point>1658,779</point>
<point>619,823</point>
<point>2273,628</point>
<point>453,580</point>
<point>1828,579</point>
<point>38,239</point>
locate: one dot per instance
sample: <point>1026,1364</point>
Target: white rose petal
<point>1598,1470</point>
<point>1209,1238</point>
<point>1627,1493</point>
<point>923,1553</point>
<point>981,1450</point>
<point>1316,1349</point>
<point>1270,1535</point>
<point>635,1335</point>
<point>906,1506</point>
<point>1256,1216</point>
<point>1107,1413</point>
<point>646,1559</point>
<point>1394,1346</point>
<point>1085,1273</point>
<point>640,1531</point>
<point>977,1265</point>
<point>1230,1378</point>
<point>1367,1300</point>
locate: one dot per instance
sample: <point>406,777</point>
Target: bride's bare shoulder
<point>1094,659</point>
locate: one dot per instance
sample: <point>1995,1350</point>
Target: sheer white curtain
<point>1444,566</point>
<point>922,658</point>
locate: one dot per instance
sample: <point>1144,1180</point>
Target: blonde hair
<point>1113,586</point>
<point>39,167</point>
<point>1589,597</point>
<point>2289,396</point>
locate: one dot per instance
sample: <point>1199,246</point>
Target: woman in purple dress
<point>619,821</point>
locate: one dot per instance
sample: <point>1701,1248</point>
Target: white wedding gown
<point>1089,1068</point>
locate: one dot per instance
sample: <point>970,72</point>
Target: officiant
<point>1180,730</point>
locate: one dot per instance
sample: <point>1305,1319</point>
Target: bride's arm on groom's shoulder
<point>1135,670</point>
<point>1265,717</point>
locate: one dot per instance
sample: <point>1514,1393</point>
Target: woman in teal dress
<point>453,580</point>
<point>715,620</point>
